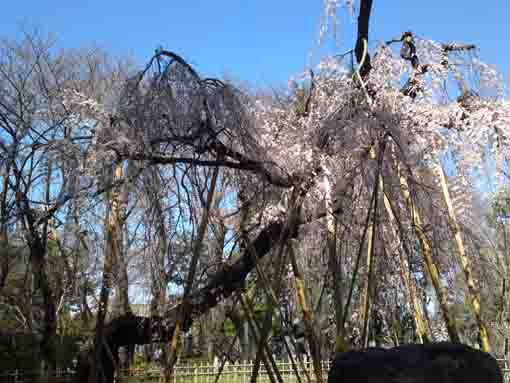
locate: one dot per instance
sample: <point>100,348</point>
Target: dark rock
<point>416,363</point>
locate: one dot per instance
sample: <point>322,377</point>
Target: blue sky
<point>259,41</point>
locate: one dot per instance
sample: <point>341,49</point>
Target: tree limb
<point>363,28</point>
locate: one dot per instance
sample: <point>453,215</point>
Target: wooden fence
<point>203,372</point>
<point>231,373</point>
<point>195,372</point>
<point>23,376</point>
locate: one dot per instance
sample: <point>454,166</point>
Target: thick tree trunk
<point>37,249</point>
<point>362,38</point>
<point>121,331</point>
<point>49,333</point>
<point>135,330</point>
<point>104,366</point>
<point>118,204</point>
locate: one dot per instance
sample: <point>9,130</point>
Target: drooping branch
<point>172,57</point>
<point>191,120</point>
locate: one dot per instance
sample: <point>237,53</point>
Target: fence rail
<point>202,372</point>
<point>231,373</point>
<point>24,376</point>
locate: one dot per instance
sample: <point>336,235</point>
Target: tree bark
<point>118,205</point>
<point>38,250</point>
<point>363,28</point>
<point>131,329</point>
<point>49,333</point>
<point>103,368</point>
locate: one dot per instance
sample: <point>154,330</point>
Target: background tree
<point>320,204</point>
